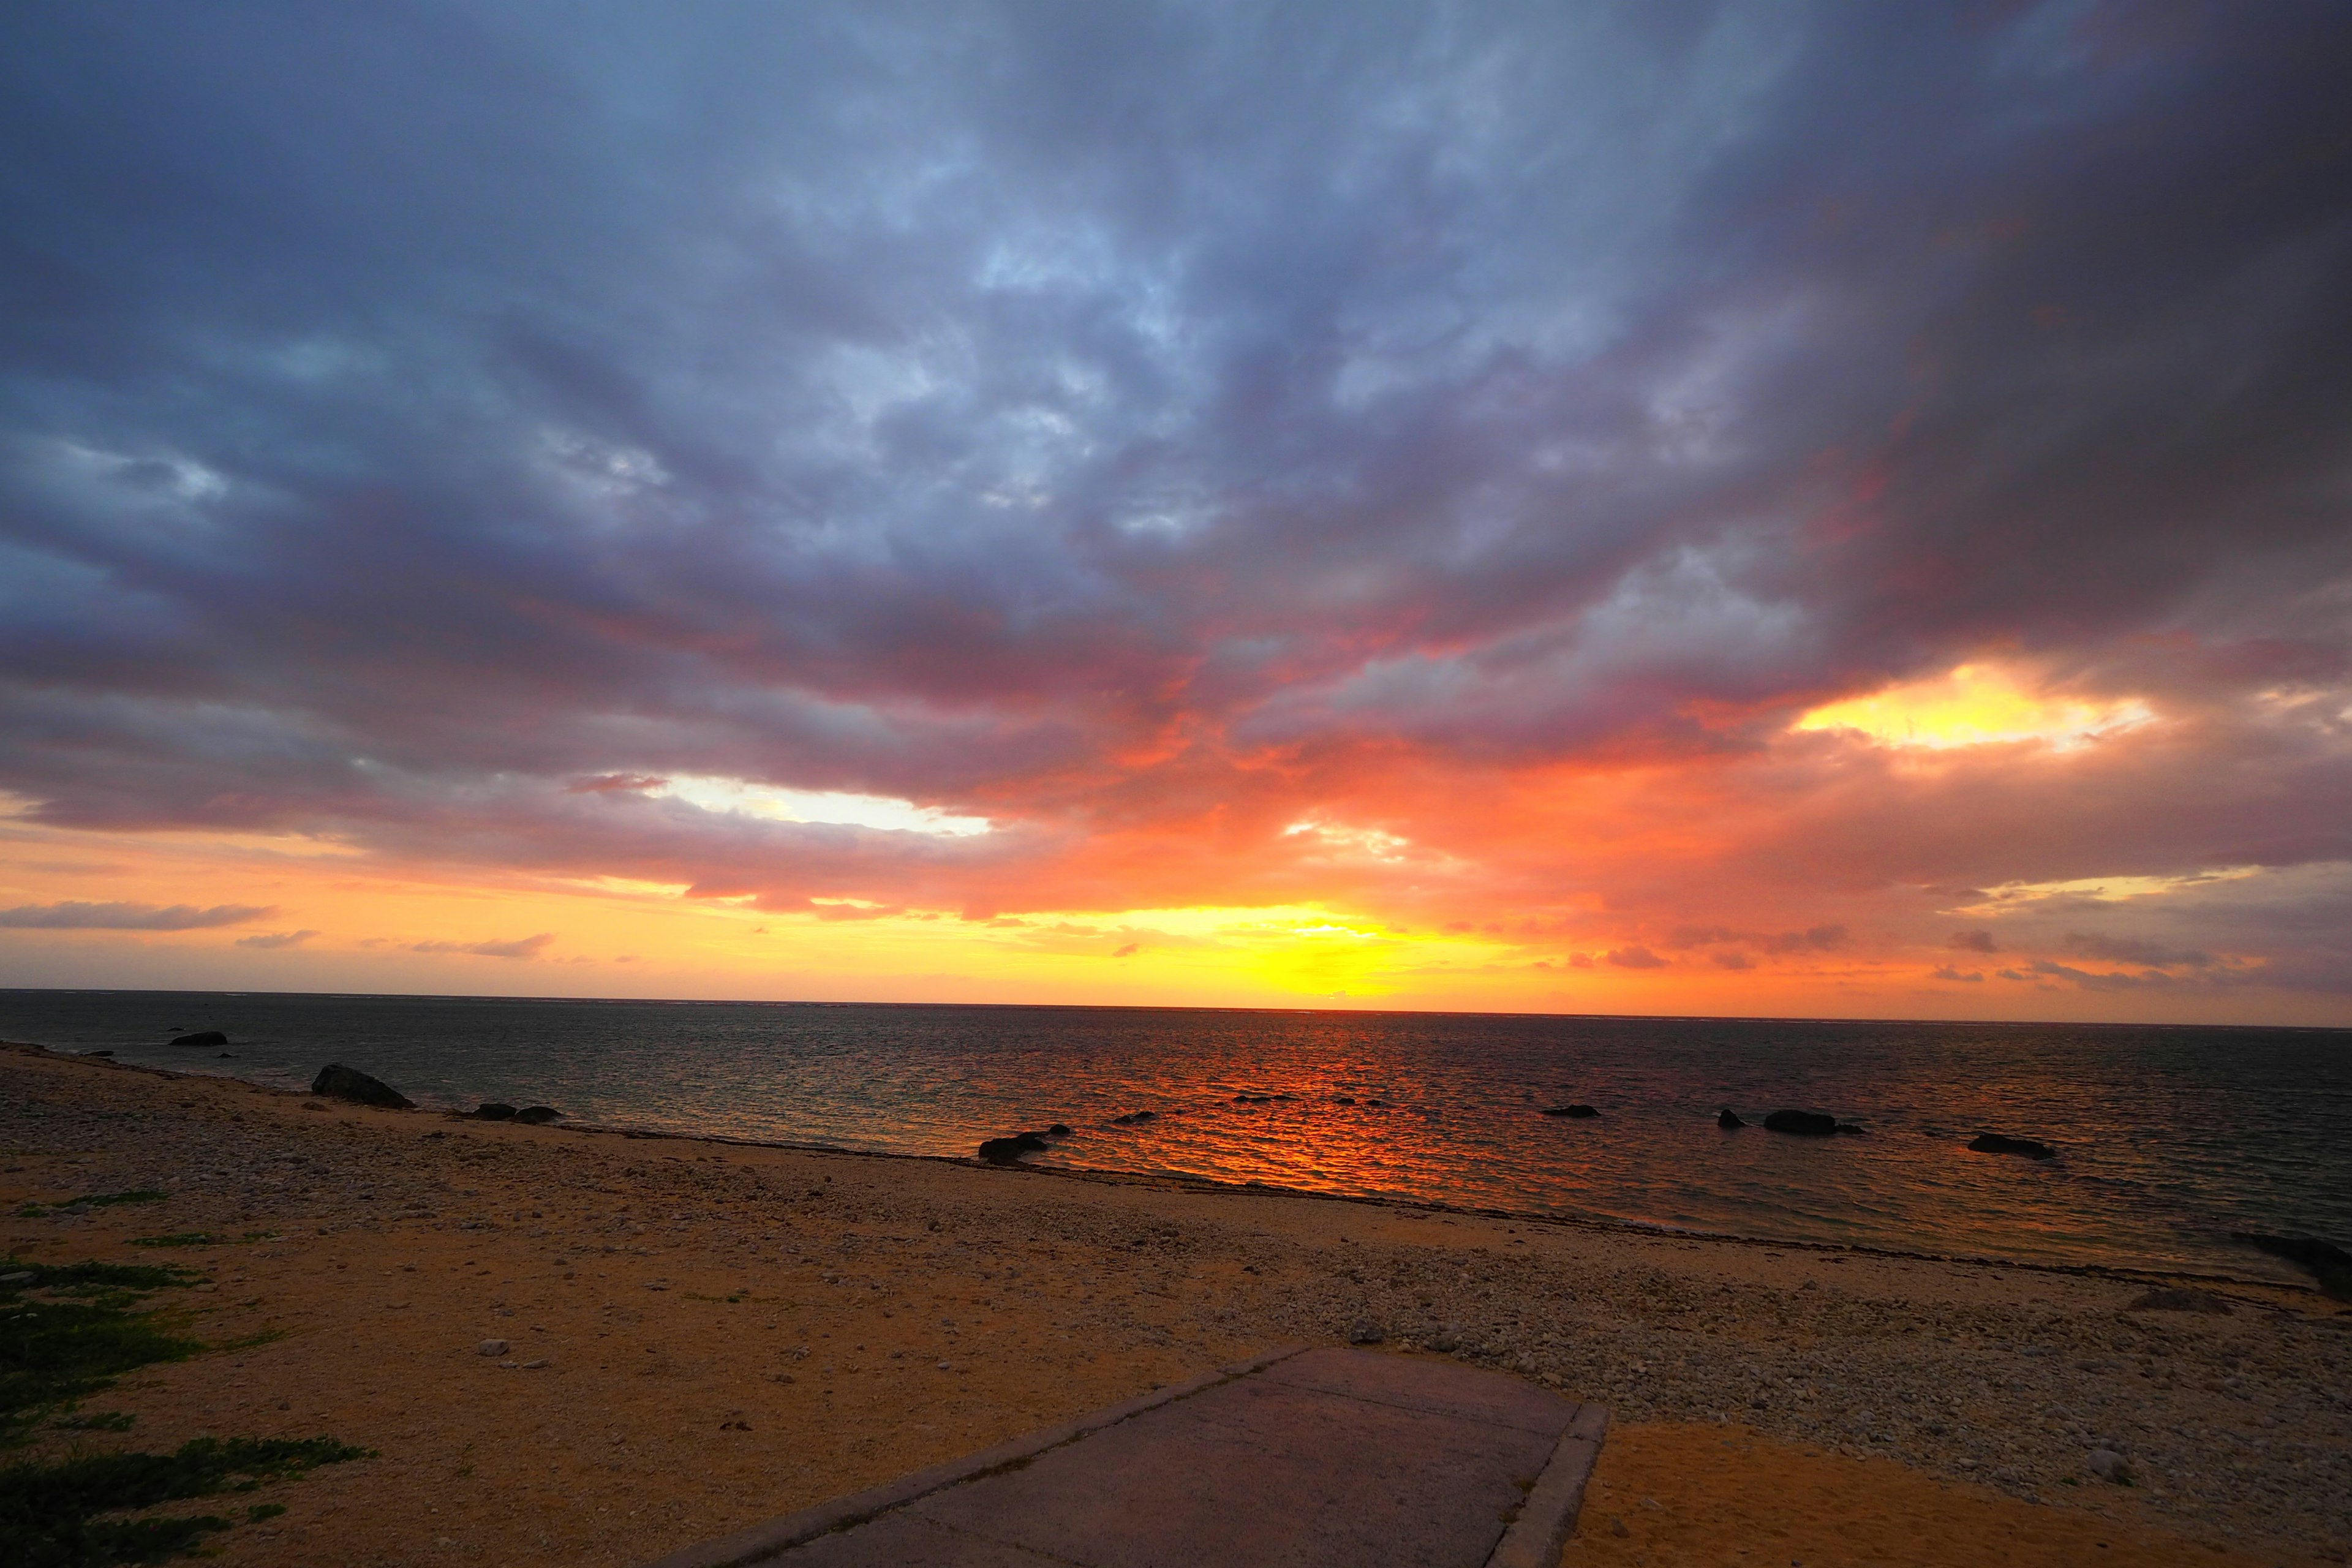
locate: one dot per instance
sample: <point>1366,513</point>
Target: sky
<point>1816,509</point>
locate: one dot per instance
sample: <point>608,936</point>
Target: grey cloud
<point>521,947</point>
<point>76,915</point>
<point>277,939</point>
<point>2132,949</point>
<point>1974,941</point>
<point>954,402</point>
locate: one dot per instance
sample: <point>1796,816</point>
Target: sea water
<point>2170,1139</point>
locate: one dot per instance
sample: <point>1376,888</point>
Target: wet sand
<point>703,1335</point>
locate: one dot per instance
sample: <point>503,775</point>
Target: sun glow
<point>745,798</point>
<point>1977,705</point>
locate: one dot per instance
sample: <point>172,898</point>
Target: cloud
<point>277,939</point>
<point>1974,941</point>
<point>1971,976</point>
<point>1634,957</point>
<point>1195,448</point>
<point>2132,949</point>
<point>521,947</point>
<point>73,915</point>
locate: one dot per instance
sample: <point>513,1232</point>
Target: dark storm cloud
<point>424,423</point>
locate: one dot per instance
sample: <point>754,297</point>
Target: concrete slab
<point>1322,1458</point>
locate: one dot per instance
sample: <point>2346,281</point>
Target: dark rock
<point>349,1083</point>
<point>203,1038</point>
<point>1059,1130</point>
<point>1578,1112</point>
<point>1729,1119</point>
<point>2172,1300</point>
<point>98,1053</point>
<point>1002,1151</point>
<point>1807,1124</point>
<point>1031,1142</point>
<point>2000,1144</point>
<point>1133,1117</point>
<point>538,1115</point>
<point>1343,1099</point>
<point>494,1110</point>
<point>2109,1466</point>
<point>2324,1261</point>
<point>1365,1331</point>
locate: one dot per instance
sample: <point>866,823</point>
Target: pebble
<point>491,1348</point>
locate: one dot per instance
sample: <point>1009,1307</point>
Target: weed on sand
<point>49,1513</point>
<point>67,1330</point>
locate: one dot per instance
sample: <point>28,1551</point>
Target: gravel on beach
<point>657,1298</point>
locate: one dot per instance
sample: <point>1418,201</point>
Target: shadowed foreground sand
<point>704,1335</point>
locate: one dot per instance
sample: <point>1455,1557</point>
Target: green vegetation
<point>92,1201</point>
<point>48,1512</point>
<point>57,1350</point>
<point>180,1238</point>
<point>77,1334</point>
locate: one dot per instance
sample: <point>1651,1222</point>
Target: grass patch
<point>94,1201</point>
<point>48,1513</point>
<point>180,1238</point>
<point>101,1421</point>
<point>54,1350</point>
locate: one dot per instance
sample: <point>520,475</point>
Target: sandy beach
<point>700,1335</point>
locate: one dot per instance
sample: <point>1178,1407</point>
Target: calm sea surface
<point>2169,1139</point>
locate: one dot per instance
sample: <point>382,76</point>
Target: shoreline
<point>2152,1274</point>
<point>709,1332</point>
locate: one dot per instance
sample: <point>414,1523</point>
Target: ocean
<point>2169,1140</point>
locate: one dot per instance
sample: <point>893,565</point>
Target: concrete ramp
<point>1308,1459</point>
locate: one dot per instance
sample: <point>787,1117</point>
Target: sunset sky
<point>1655,508</point>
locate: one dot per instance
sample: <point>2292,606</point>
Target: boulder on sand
<point>538,1115</point>
<point>349,1083</point>
<point>494,1110</point>
<point>1806,1123</point>
<point>2000,1144</point>
<point>203,1038</point>
<point>1729,1119</point>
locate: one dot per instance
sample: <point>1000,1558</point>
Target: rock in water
<point>2327,1263</point>
<point>349,1083</point>
<point>1729,1119</point>
<point>1578,1112</point>
<point>1808,1123</point>
<point>2000,1144</point>
<point>538,1115</point>
<point>203,1038</point>
<point>1059,1130</point>
<point>1002,1150</point>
